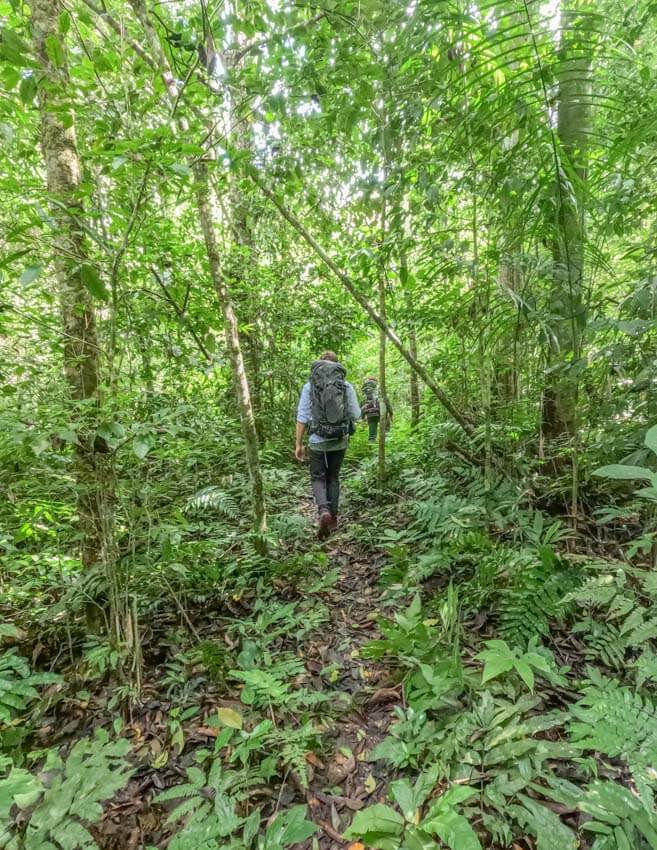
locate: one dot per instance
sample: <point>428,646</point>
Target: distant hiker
<point>328,408</point>
<point>371,406</point>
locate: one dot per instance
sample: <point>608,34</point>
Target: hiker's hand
<point>300,453</point>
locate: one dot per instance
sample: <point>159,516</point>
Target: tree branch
<point>181,316</point>
<point>352,289</point>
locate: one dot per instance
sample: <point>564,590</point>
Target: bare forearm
<point>301,428</point>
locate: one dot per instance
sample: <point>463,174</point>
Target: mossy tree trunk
<point>566,306</point>
<point>73,271</point>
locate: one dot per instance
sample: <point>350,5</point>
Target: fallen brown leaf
<point>384,695</point>
<point>311,758</point>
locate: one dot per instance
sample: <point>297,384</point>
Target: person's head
<point>329,355</point>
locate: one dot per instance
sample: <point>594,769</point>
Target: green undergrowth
<point>528,672</point>
<point>528,664</point>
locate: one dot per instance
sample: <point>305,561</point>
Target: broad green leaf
<point>621,472</point>
<point>55,50</point>
<point>231,718</point>
<point>92,280</point>
<point>30,274</point>
<point>651,439</point>
<point>551,833</point>
<point>11,78</point>
<point>8,630</point>
<point>453,829</point>
<point>415,608</point>
<point>537,660</point>
<point>290,827</point>
<point>27,89</point>
<point>417,839</point>
<point>13,48</point>
<point>181,169</point>
<point>402,792</point>
<point>455,795</point>
<point>500,646</point>
<point>378,826</point>
<point>525,672</point>
<point>141,445</point>
<point>495,665</point>
<point>111,430</point>
<point>19,783</point>
<point>64,22</point>
<point>647,493</point>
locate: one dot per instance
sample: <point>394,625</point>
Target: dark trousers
<point>325,479</point>
<point>373,425</point>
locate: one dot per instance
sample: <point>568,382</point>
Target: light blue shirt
<point>305,414</point>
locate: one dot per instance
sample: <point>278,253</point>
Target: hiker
<point>328,408</point>
<point>371,407</point>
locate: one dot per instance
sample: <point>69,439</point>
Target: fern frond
<point>613,720</point>
<point>213,499</point>
<point>641,634</point>
<point>646,668</point>
<point>604,642</point>
<point>536,597</point>
<point>189,805</point>
<point>184,790</point>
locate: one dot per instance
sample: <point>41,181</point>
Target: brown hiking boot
<point>325,527</point>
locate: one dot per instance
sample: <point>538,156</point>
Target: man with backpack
<point>371,407</point>
<point>328,408</point>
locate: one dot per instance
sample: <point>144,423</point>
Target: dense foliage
<point>195,200</point>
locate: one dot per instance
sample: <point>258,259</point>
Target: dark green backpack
<point>328,398</point>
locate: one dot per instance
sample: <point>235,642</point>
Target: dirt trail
<point>341,781</point>
<point>349,780</point>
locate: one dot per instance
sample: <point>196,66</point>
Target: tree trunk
<point>383,395</point>
<point>234,349</point>
<point>243,274</point>
<point>92,470</point>
<point>566,306</point>
<point>206,219</point>
<point>414,385</point>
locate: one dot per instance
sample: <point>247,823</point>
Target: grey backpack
<point>328,398</point>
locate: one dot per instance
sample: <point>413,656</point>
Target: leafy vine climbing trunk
<point>205,210</point>
<point>566,307</point>
<point>92,470</point>
<point>383,389</point>
<point>244,257</point>
<point>381,293</point>
<point>414,384</point>
<point>206,219</point>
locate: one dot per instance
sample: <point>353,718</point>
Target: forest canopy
<point>197,199</point>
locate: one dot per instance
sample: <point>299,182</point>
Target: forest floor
<point>341,777</point>
<point>277,687</point>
